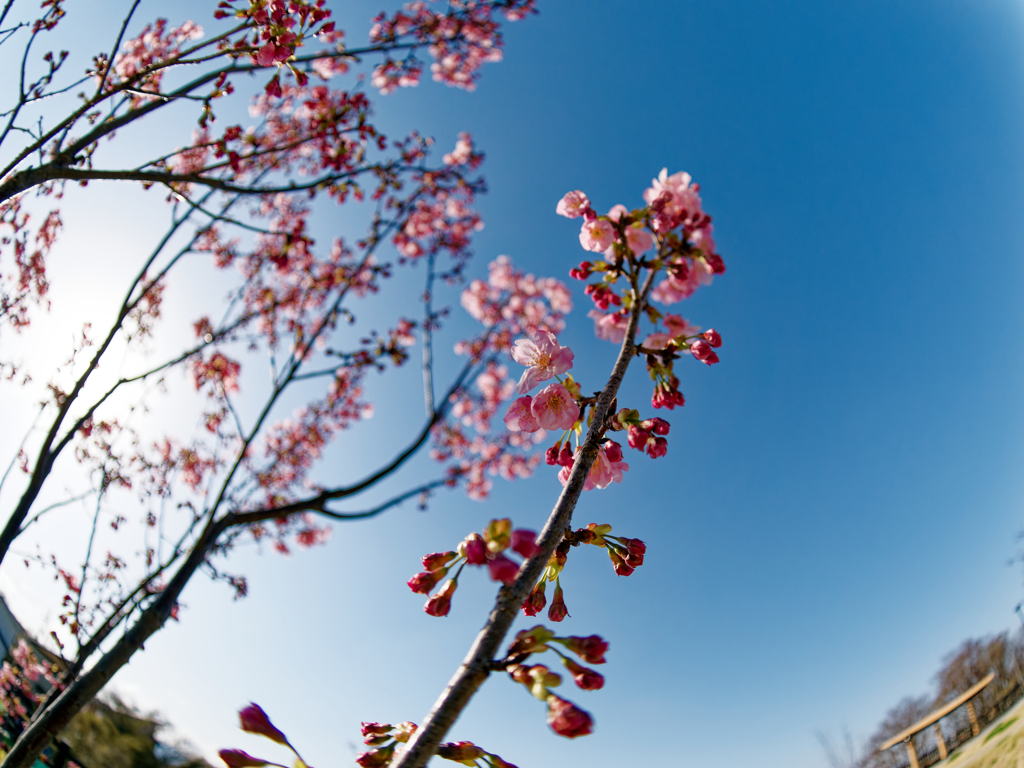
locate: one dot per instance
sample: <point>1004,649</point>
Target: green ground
<point>1001,745</point>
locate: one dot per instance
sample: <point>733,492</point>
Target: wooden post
<point>942,742</point>
<point>912,753</point>
<point>973,718</point>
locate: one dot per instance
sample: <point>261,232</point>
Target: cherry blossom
<point>554,408</point>
<point>544,358</point>
<point>597,235</point>
<point>573,205</point>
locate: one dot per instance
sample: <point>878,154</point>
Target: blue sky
<point>842,494</point>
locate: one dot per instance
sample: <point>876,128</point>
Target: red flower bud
<point>441,603</point>
<point>566,719</point>
<point>476,551</point>
<point>557,611</point>
<point>551,454</point>
<point>635,550</point>
<point>582,272</point>
<point>591,649</point>
<point>376,758</point>
<point>715,262</point>
<point>622,568</point>
<point>703,352</point>
<point>255,720</point>
<point>565,456</point>
<point>657,425</point>
<point>612,450</point>
<point>375,729</point>
<point>637,437</point>
<point>437,560</point>
<point>536,600</point>
<point>424,581</point>
<point>657,447</point>
<point>502,569</point>
<point>524,542</point>
<point>712,337</point>
<point>236,758</point>
<point>460,751</point>
<point>584,677</point>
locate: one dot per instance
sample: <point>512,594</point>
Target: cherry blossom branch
<point>248,518</point>
<point>478,662</point>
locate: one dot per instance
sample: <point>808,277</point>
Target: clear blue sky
<point>842,494</point>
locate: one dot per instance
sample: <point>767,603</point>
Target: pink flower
<point>613,450</point>
<point>573,205</point>
<point>597,235</point>
<point>638,239</point>
<point>609,327</point>
<point>520,416</point>
<point>603,473</point>
<point>236,758</point>
<point>712,337</point>
<point>566,719</point>
<point>255,720</point>
<point>543,358</point>
<point>554,408</point>
<point>703,352</point>
<point>524,542</point>
<point>677,326</point>
<point>502,569</point>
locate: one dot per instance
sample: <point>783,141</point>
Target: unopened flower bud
<point>421,583</point>
<point>502,569</point>
<point>536,600</point>
<point>712,337</point>
<point>557,611</point>
<point>404,731</point>
<point>612,450</point>
<point>656,425</point>
<point>524,542</point>
<point>255,720</point>
<point>461,752</point>
<point>377,758</point>
<point>531,640</point>
<point>566,719</point>
<point>474,549</point>
<point>437,559</point>
<point>497,534</point>
<point>236,758</point>
<point>565,456</point>
<point>582,272</point>
<point>657,447</point>
<point>520,673</point>
<point>637,437</point>
<point>440,603</point>
<point>584,677</point>
<point>591,649</point>
<point>715,262</point>
<point>551,454</point>
<point>375,729</point>
<point>703,352</point>
<point>620,565</point>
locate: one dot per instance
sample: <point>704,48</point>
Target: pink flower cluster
<point>138,61</point>
<point>476,549</point>
<point>511,303</point>
<point>460,40</point>
<point>607,468</point>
